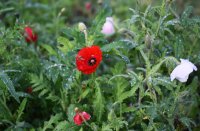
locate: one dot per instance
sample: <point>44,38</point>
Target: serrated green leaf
<point>9,84</point>
<point>52,74</point>
<point>85,93</point>
<point>164,81</point>
<point>21,109</point>
<point>43,92</point>
<point>6,9</point>
<point>158,90</point>
<point>118,123</point>
<point>52,97</point>
<point>187,12</point>
<point>21,125</point>
<point>98,103</point>
<point>128,94</point>
<point>40,87</point>
<point>106,127</point>
<point>71,113</point>
<point>125,44</point>
<point>111,115</point>
<point>61,126</point>
<point>156,67</point>
<point>52,121</point>
<point>64,44</point>
<point>50,50</point>
<point>5,113</point>
<point>187,122</point>
<point>129,109</point>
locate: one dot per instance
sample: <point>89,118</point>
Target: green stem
<point>120,109</point>
<point>158,28</point>
<point>86,37</point>
<point>177,91</point>
<point>93,76</point>
<point>147,62</point>
<point>192,47</point>
<point>6,9</point>
<point>94,129</point>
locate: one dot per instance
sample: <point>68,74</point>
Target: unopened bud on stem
<point>76,109</point>
<point>60,13</point>
<point>100,1</point>
<point>82,27</point>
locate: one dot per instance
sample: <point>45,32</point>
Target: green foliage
<point>50,50</point>
<point>54,120</point>
<point>21,109</point>
<point>98,103</point>
<point>64,44</point>
<point>9,85</point>
<point>5,112</point>
<point>125,44</point>
<point>40,86</point>
<point>61,126</point>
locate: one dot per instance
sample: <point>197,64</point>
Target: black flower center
<point>92,61</point>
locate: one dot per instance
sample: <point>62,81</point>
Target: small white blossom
<point>108,27</point>
<point>182,71</point>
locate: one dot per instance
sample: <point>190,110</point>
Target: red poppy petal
<point>77,119</point>
<point>85,55</point>
<point>29,35</point>
<point>86,116</point>
<point>34,38</point>
<point>88,6</point>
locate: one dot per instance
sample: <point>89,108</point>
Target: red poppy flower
<point>88,59</point>
<point>80,117</point>
<point>88,6</point>
<point>29,90</point>
<point>30,36</point>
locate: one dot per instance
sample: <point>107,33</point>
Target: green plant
<point>129,90</point>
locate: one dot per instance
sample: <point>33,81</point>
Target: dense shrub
<point>59,74</point>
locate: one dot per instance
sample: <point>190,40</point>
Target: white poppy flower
<point>182,71</point>
<point>108,27</point>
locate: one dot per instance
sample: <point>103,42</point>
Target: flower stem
<point>86,37</point>
<point>94,129</point>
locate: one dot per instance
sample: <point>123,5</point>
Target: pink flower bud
<point>108,27</point>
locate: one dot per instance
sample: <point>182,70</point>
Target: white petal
<point>172,76</point>
<point>194,67</point>
<point>182,71</point>
<point>185,69</point>
<point>109,19</point>
<point>187,62</point>
<point>108,28</point>
<point>183,79</point>
<point>184,60</point>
